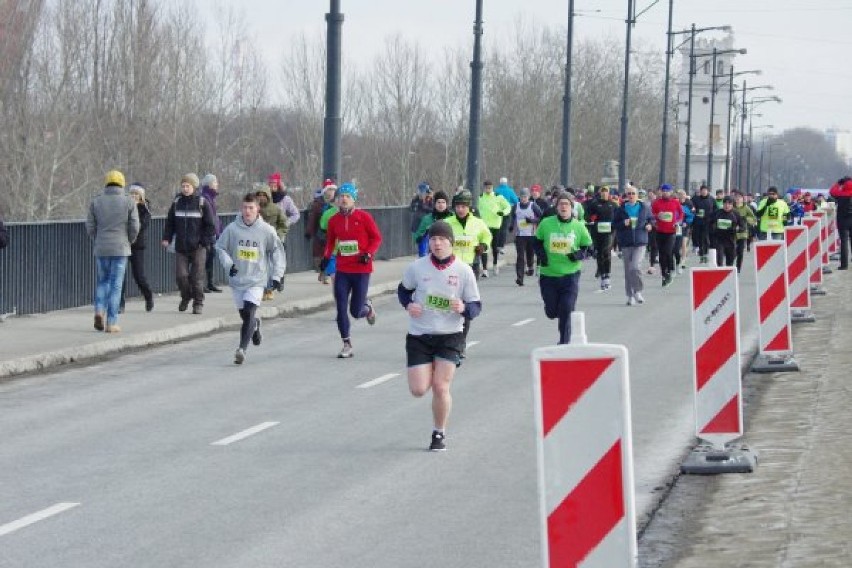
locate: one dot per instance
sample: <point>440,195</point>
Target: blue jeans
<point>110,278</point>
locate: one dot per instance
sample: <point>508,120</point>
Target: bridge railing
<point>49,266</point>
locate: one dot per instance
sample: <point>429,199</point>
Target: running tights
<point>247,313</point>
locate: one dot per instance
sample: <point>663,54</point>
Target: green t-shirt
<point>560,238</point>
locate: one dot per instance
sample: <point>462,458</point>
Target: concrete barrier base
<point>708,460</point>
<point>764,363</point>
<point>817,291</point>
<point>802,316</point>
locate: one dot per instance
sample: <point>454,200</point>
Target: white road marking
<point>472,343</point>
<point>244,434</point>
<point>378,381</point>
<point>35,517</point>
<point>523,322</point>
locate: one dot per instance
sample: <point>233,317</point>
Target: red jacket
<point>352,235</point>
<point>842,194</point>
<point>667,213</point>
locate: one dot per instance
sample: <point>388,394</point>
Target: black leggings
<point>249,323</point>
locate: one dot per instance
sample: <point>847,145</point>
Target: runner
<point>599,213</point>
<point>563,242</point>
<point>725,223</point>
<point>248,248</point>
<point>354,238</point>
<point>704,205</point>
<point>668,214</point>
<point>439,292</point>
<point>523,219</point>
<point>471,239</point>
<point>744,234</point>
<point>493,209</point>
<point>772,214</point>
<point>632,222</point>
<point>681,247</point>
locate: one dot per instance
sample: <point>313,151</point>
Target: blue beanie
<point>666,187</point>
<point>348,189</point>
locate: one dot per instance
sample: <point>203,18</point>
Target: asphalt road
<point>176,457</point>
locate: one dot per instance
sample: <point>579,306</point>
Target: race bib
<point>772,212</point>
<point>678,230</point>
<point>633,222</point>
<point>665,216</point>
<point>604,227</point>
<point>524,224</point>
<point>463,243</point>
<point>438,302</point>
<point>723,224</point>
<point>347,248</point>
<point>699,213</point>
<point>248,254</point>
<point>560,243</point>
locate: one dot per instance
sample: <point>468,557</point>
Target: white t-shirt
<point>434,288</point>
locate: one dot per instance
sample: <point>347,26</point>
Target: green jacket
<point>474,232</point>
<point>492,209</point>
<point>274,216</point>
<point>560,238</point>
<point>747,215</point>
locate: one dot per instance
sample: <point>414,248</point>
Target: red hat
<point>275,178</point>
<point>535,187</point>
<point>327,182</point>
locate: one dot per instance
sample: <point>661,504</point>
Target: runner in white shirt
<point>438,292</point>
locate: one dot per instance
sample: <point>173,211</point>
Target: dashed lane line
<point>377,381</point>
<point>36,517</point>
<point>523,322</point>
<point>244,434</point>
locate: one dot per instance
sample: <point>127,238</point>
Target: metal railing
<point>49,266</point>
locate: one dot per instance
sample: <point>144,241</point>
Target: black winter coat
<point>144,221</point>
<point>190,221</point>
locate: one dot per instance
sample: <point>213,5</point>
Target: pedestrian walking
<point>250,250</point>
<point>210,191</point>
<point>191,228</point>
<point>354,238</point>
<point>438,292</point>
<point>632,222</point>
<point>563,243</point>
<point>136,191</point>
<point>112,223</point>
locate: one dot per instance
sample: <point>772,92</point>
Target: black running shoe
<point>437,444</point>
<point>257,336</point>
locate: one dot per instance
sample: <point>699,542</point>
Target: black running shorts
<point>424,349</point>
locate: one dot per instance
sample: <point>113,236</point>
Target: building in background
<point>841,140</point>
<point>702,85</point>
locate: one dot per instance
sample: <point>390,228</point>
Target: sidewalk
<point>45,341</point>
<point>793,511</point>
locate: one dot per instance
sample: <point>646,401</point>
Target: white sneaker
<point>484,274</point>
<point>680,270</point>
<point>346,352</point>
<point>496,270</point>
<point>631,301</point>
<point>639,298</point>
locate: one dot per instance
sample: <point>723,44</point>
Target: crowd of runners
<point>555,233</point>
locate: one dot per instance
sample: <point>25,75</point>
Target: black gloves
<point>277,285</point>
<point>480,248</point>
<point>233,271</point>
<point>324,264</point>
<point>573,256</point>
<point>366,258</point>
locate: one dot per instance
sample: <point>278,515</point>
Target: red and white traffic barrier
<point>585,455</point>
<point>716,372</point>
<point>814,255</point>
<point>822,215</point>
<point>796,239</point>
<point>833,235</point>
<point>773,309</point>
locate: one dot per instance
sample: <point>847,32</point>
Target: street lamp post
<point>714,75</point>
<point>731,76</point>
<point>475,107</point>
<point>565,163</point>
<point>622,162</point>
<point>748,114</point>
<point>769,166</point>
<point>333,120</point>
<point>665,135</point>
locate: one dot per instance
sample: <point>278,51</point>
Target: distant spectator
<point>420,206</point>
<point>112,224</point>
<point>282,199</point>
<point>322,200</point>
<point>274,216</point>
<point>210,191</point>
<point>137,247</point>
<point>192,227</point>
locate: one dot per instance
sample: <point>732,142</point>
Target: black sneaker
<point>437,444</point>
<point>183,305</point>
<point>149,304</point>
<point>666,281</point>
<point>257,336</point>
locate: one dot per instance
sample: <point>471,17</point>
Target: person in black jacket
<point>192,226</point>
<point>137,248</point>
<point>842,194</point>
<point>599,213</point>
<point>704,206</point>
<point>724,224</point>
<point>4,235</point>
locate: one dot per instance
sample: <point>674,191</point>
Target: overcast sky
<point>803,47</point>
